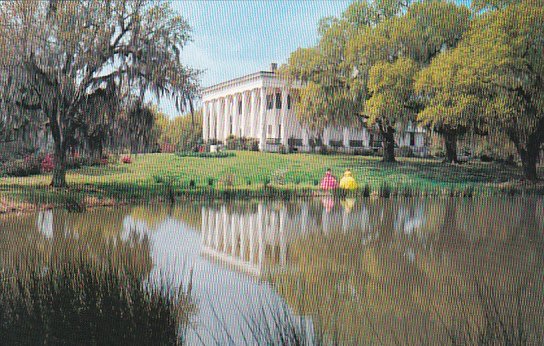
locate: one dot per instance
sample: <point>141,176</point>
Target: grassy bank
<point>167,176</point>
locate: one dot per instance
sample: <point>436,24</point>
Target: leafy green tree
<point>65,57</point>
<point>505,51</point>
<point>324,98</point>
<point>448,110</point>
<point>390,87</point>
<point>418,32</point>
<point>181,132</point>
<point>432,30</point>
<point>497,73</point>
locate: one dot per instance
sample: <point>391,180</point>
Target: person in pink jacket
<point>329,182</point>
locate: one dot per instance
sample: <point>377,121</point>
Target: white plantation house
<point>260,106</point>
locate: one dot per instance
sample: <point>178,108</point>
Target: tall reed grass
<point>89,302</point>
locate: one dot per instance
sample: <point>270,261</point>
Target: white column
<point>205,123</point>
<point>204,226</point>
<point>261,246</point>
<point>234,235</point>
<point>305,139</point>
<point>326,136</point>
<point>218,118</point>
<point>252,232</point>
<point>284,132</point>
<point>227,112</point>
<point>211,115</point>
<point>262,120</point>
<point>216,230</point>
<point>211,226</point>
<point>253,123</point>
<point>345,139</point>
<point>243,117</point>
<point>226,228</point>
<point>236,116</point>
<point>243,232</point>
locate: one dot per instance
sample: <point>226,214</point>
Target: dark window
<point>278,100</point>
<point>288,101</point>
<point>279,130</point>
<point>269,101</point>
<point>239,107</point>
<point>356,144</point>
<point>269,130</point>
<point>230,125</point>
<point>412,139</point>
<point>295,142</point>
<point>335,144</point>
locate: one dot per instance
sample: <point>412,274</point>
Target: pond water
<point>366,270</point>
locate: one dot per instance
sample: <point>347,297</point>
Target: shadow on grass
<point>98,171</point>
<point>437,172</point>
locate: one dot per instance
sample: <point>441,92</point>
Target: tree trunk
<point>95,148</point>
<point>388,145</point>
<point>450,141</point>
<point>529,159</point>
<point>59,172</point>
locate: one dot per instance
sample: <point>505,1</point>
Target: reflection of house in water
<point>244,239</point>
<point>256,239</point>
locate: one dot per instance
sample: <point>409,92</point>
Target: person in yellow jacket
<point>348,182</point>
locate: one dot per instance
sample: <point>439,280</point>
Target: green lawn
<point>153,176</point>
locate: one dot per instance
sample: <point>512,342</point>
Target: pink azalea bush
<point>48,164</point>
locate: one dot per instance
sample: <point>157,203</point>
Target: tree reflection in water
<point>426,270</point>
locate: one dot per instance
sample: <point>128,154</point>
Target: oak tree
<point>63,58</point>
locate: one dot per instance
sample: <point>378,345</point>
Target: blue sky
<point>234,38</point>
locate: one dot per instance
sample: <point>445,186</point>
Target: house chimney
<point>273,67</point>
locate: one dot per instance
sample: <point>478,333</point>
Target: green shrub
<point>278,177</point>
<point>232,142</point>
<point>227,180</point>
<point>323,150</point>
<point>405,151</point>
<point>164,178</point>
<point>364,152</point>
<point>253,144</point>
<point>30,165</point>
<point>10,151</point>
